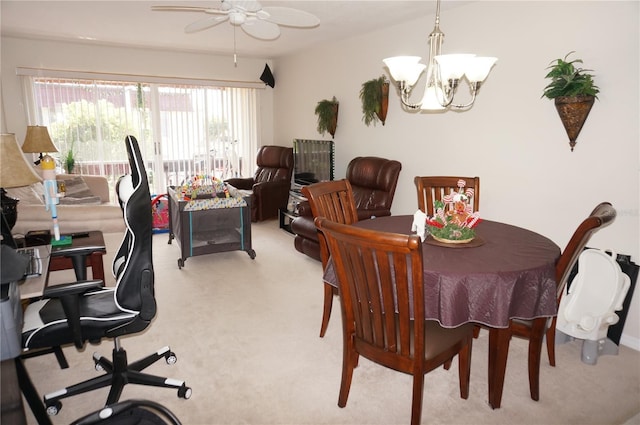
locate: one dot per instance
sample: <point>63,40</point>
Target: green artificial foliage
<point>327,111</point>
<point>567,80</point>
<point>70,160</point>
<point>371,97</point>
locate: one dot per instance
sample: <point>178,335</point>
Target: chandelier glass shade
<point>443,74</point>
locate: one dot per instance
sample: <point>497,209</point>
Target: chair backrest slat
<point>333,200</point>
<point>432,188</point>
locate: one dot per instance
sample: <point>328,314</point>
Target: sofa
<point>85,206</point>
<point>373,181</point>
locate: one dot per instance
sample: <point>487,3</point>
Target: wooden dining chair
<point>602,215</point>
<point>432,188</point>
<point>333,200</point>
<point>380,276</point>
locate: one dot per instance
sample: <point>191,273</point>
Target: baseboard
<point>630,342</point>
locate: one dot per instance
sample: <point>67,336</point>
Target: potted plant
<point>70,160</point>
<point>374,95</point>
<point>327,112</point>
<point>574,91</point>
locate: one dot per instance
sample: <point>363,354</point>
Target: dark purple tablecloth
<point>511,275</point>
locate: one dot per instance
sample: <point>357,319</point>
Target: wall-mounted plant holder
<point>327,112</point>
<point>573,91</point>
<point>374,95</point>
<point>573,113</point>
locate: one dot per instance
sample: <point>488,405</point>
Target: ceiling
<point>132,23</point>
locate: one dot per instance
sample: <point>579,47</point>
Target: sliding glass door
<point>183,130</point>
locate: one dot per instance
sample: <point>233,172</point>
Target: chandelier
<point>444,73</point>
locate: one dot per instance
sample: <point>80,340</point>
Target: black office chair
<point>86,311</point>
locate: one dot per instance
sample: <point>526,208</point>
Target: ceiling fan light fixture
<point>237,18</point>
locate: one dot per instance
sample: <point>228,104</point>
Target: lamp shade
<point>478,68</point>
<point>405,68</point>
<point>37,140</point>
<point>15,171</point>
<point>433,95</point>
<point>453,67</point>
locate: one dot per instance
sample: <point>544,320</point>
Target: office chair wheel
<point>180,263</point>
<point>54,409</point>
<point>170,357</point>
<point>98,366</point>
<point>184,392</point>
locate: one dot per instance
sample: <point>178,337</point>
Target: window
<point>183,129</point>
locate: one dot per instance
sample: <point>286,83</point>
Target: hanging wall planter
<point>327,112</point>
<point>374,95</point>
<point>574,93</point>
<point>573,111</point>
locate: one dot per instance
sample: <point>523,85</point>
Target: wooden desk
<point>84,252</point>
<point>511,275</point>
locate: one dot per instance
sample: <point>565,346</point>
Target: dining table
<point>506,272</point>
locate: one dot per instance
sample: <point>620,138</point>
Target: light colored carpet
<point>246,336</point>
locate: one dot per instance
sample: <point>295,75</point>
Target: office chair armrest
<point>69,296</point>
<point>74,288</point>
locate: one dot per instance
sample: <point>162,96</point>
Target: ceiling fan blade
<point>183,9</point>
<point>205,23</point>
<point>262,30</point>
<point>291,17</point>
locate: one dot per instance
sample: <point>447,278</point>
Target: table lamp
<point>15,171</point>
<point>38,141</point>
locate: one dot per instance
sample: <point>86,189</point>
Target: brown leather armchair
<point>271,183</point>
<point>373,181</point>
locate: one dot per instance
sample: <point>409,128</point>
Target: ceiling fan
<point>257,21</point>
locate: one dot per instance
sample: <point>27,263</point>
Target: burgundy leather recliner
<point>373,181</point>
<point>271,183</point>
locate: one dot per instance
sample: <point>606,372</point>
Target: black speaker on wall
<point>267,77</point>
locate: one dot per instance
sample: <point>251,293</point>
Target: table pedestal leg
<point>498,350</point>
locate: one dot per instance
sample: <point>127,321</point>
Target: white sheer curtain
<point>206,130</point>
<point>183,129</point>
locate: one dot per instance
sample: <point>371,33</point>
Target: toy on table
<point>51,191</point>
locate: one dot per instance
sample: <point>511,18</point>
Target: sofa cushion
<point>78,192</point>
<point>27,195</point>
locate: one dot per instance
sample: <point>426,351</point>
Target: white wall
<point>511,138</point>
<point>16,52</point>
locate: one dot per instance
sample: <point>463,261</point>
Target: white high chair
<point>588,308</point>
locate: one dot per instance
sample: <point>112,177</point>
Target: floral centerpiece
<point>454,220</point>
